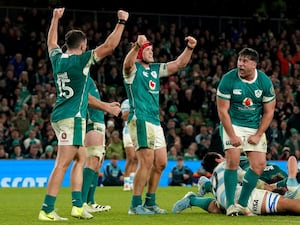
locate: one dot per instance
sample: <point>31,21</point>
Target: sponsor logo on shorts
<point>255,206</point>
<point>64,135</point>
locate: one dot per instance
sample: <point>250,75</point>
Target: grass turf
<point>20,206</point>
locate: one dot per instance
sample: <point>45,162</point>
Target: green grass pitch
<point>20,206</point>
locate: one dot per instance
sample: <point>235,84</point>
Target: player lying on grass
<point>273,177</point>
<point>260,202</point>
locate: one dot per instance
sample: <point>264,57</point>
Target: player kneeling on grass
<point>260,202</point>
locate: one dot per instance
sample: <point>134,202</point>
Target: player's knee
<point>97,151</point>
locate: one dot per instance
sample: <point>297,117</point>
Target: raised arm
<point>52,33</point>
<point>184,58</point>
<point>113,40</point>
<point>128,64</point>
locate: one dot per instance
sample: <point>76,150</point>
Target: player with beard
<point>246,104</point>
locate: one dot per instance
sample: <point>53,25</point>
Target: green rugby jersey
<point>70,75</point>
<point>142,89</point>
<point>94,115</point>
<point>270,172</point>
<point>246,97</point>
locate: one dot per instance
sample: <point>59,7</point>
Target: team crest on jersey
<point>154,74</point>
<point>247,102</point>
<point>152,85</point>
<point>258,93</point>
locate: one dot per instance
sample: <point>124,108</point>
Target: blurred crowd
<point>187,99</point>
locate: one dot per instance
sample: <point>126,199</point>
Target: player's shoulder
<point>125,105</point>
<point>125,102</point>
<point>55,51</point>
<point>263,78</point>
<point>262,75</point>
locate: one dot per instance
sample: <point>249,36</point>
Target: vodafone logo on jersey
<point>152,85</point>
<point>247,102</point>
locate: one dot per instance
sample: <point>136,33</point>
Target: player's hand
<point>58,12</point>
<point>141,40</point>
<point>123,15</point>
<point>114,108</point>
<point>113,104</point>
<point>253,139</point>
<point>236,141</point>
<point>190,41</point>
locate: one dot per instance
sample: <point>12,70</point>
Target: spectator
<point>18,63</point>
<point>272,132</point>
<point>172,153</point>
<point>4,107</point>
<point>203,147</point>
<point>170,136</point>
<point>32,137</point>
<point>21,122</point>
<point>294,120</point>
<point>190,153</point>
<point>17,152</point>
<point>272,151</point>
<point>180,175</point>
<point>188,136</point>
<point>112,174</point>
<point>48,135</point>
<point>115,146</point>
<point>38,78</point>
<point>3,153</point>
<point>49,153</point>
<point>286,153</point>
<point>13,139</point>
<point>178,145</point>
<point>186,103</point>
<point>110,127</point>
<point>282,110</point>
<point>33,151</point>
<point>114,78</point>
<point>202,133</point>
<point>293,143</point>
<point>172,114</point>
<point>286,58</point>
<point>173,100</point>
<point>283,133</point>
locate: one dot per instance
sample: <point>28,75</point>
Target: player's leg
<point>232,157</point>
<point>293,187</point>
<point>160,162</point>
<point>64,157</point>
<point>257,162</point>
<point>70,134</point>
<point>95,151</point>
<point>131,162</point>
<point>190,199</point>
<point>257,159</point>
<point>145,157</point>
<point>274,203</point>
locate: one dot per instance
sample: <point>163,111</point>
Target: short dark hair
<point>250,53</point>
<point>179,158</point>
<point>209,162</point>
<point>73,38</point>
